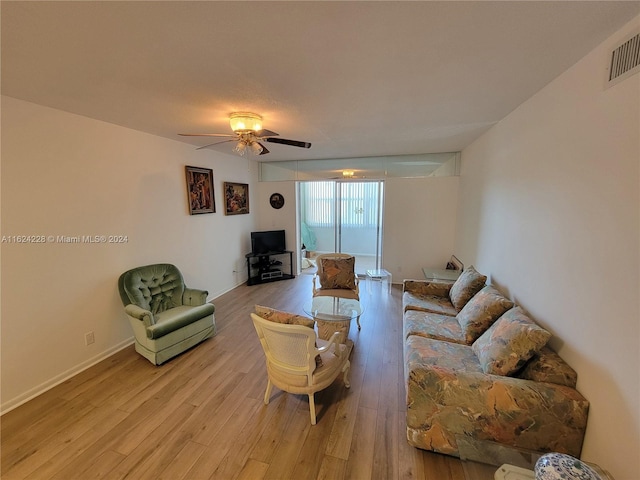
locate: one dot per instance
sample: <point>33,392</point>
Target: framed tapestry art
<point>200,190</point>
<point>236,198</point>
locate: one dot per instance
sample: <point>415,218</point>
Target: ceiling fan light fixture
<point>256,148</point>
<point>244,122</point>
<point>240,147</point>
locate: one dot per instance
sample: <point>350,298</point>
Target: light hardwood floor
<point>201,415</point>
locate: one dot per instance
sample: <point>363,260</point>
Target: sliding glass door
<point>343,216</point>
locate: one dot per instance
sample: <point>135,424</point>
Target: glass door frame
<point>338,225</point>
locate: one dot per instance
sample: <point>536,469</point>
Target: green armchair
<point>167,317</point>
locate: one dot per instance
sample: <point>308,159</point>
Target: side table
<point>379,274</point>
<point>441,275</point>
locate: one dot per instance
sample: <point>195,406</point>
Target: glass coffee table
<point>334,314</point>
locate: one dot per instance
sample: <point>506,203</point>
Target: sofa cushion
<point>447,358</point>
<point>428,303</point>
<point>338,273</point>
<point>466,286</point>
<point>512,340</point>
<point>432,325</point>
<point>287,318</point>
<point>484,308</point>
<point>423,287</point>
<point>548,366</point>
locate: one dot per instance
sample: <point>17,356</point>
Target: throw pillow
<point>338,273</point>
<point>484,308</point>
<point>278,316</point>
<point>512,340</point>
<point>466,286</point>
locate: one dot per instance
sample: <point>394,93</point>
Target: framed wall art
<point>200,190</point>
<point>236,198</point>
<point>277,201</point>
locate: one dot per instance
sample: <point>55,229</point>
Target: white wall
<point>419,224</point>
<point>549,209</point>
<point>64,174</point>
<point>270,218</point>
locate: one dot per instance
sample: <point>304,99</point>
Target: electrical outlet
<point>89,338</point>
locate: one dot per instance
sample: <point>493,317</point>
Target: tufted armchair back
<point>155,288</point>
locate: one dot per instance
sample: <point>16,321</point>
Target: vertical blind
<point>359,206</point>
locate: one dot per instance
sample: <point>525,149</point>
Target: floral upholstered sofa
<point>480,381</point>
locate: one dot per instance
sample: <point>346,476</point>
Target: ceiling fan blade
<point>284,141</point>
<point>265,133</point>
<point>206,135</point>
<point>264,149</point>
<point>215,143</point>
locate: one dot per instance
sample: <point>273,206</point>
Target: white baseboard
<point>212,298</point>
<point>58,379</point>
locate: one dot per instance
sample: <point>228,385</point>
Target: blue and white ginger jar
<point>558,466</point>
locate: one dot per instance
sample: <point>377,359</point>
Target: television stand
<point>269,267</point>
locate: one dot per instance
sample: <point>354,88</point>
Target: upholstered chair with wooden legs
<point>336,276</point>
<point>292,363</point>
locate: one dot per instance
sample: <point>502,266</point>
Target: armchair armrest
<point>425,287</point>
<point>141,314</point>
<point>176,318</point>
<point>333,341</point>
<point>194,297</point>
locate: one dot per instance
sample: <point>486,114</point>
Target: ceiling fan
<point>248,135</point>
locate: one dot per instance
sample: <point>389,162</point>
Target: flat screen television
<point>268,242</point>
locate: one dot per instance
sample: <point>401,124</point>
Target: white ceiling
<point>356,79</point>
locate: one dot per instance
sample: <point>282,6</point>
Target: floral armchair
<point>336,276</point>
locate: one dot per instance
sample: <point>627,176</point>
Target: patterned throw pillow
<point>278,316</point>
<point>509,343</point>
<point>338,273</point>
<point>481,311</point>
<point>466,286</point>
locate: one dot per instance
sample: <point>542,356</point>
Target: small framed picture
<point>455,264</point>
<point>277,201</point>
<point>200,190</point>
<point>236,198</point>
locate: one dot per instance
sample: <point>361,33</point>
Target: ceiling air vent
<point>625,60</point>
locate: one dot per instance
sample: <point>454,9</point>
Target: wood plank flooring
<point>201,415</point>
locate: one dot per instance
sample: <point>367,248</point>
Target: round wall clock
<point>276,200</point>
